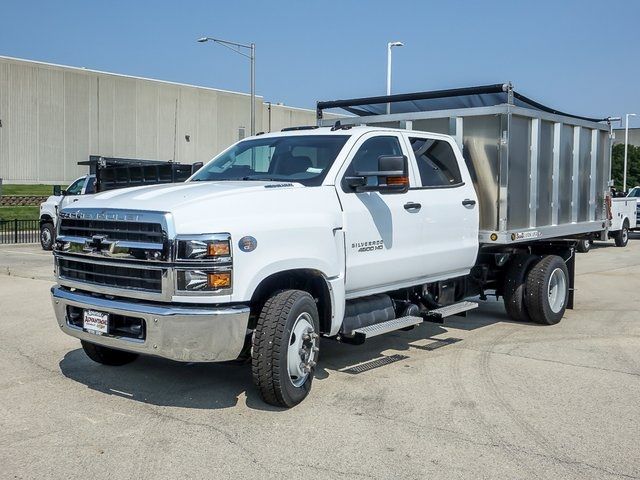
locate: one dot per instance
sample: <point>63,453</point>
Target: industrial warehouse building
<point>52,117</point>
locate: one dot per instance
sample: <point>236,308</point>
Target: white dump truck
<point>346,231</point>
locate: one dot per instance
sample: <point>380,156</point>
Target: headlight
<point>214,247</point>
<point>203,280</point>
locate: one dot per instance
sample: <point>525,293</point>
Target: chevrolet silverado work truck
<point>344,231</point>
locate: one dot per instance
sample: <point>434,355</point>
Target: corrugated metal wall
<point>53,117</point>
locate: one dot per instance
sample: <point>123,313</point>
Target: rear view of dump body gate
<point>538,173</point>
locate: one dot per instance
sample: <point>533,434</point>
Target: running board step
<point>439,314</point>
<point>361,334</point>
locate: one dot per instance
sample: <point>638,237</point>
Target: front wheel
<point>47,235</point>
<point>285,348</point>
<point>547,290</point>
<point>621,237</point>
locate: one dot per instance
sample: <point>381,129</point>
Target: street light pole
<point>252,57</point>
<point>390,45</point>
<point>626,148</point>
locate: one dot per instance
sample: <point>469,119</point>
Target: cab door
<point>381,229</point>
<point>448,217</point>
<point>73,192</point>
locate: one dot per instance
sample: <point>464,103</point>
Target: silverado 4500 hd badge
<point>368,246</point>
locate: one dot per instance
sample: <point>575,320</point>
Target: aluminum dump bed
<point>539,173</point>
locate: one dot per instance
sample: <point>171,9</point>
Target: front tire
<point>285,348</point>
<point>47,235</point>
<point>547,290</point>
<point>621,237</point>
<point>106,355</point>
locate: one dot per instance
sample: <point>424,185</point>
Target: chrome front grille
<point>113,230</point>
<point>116,252</point>
<point>111,275</point>
<point>123,253</point>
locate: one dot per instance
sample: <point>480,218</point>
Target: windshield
<point>296,158</point>
<point>635,192</point>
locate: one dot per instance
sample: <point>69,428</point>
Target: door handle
<point>75,199</point>
<point>468,202</point>
<point>412,206</point>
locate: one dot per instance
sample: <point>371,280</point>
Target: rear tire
<point>583,246</point>
<point>621,237</point>
<point>106,355</point>
<point>47,235</point>
<point>285,348</point>
<point>514,287</point>
<point>547,290</point>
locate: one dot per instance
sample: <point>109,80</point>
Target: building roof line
<point>134,77</point>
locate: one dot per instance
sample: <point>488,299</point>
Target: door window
<point>91,185</point>
<point>437,162</point>
<point>76,187</point>
<point>366,158</point>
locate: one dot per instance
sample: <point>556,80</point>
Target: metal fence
<point>19,231</point>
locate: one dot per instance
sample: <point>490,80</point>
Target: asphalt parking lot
<point>481,397</point>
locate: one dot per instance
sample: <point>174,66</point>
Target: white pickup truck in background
<point>85,185</point>
<point>623,219</point>
<point>635,193</point>
<point>345,232</point>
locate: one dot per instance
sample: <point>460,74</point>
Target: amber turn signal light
<point>219,280</point>
<point>218,249</point>
<point>398,181</point>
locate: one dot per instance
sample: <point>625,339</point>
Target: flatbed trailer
<point>539,173</point>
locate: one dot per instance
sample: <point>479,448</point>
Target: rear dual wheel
<point>536,289</point>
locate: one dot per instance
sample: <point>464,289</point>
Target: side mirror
<point>392,176</point>
<point>195,167</point>
<point>57,190</point>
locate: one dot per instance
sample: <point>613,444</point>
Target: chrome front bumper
<point>187,334</point>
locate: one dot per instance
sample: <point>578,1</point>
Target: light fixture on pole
<point>390,45</point>
<point>252,57</point>
<point>626,148</point>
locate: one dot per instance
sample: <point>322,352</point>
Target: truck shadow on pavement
<point>161,382</point>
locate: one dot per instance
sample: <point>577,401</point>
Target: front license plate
<point>96,322</point>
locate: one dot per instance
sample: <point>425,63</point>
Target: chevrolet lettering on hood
<point>113,216</point>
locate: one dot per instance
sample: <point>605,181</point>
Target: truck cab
<point>85,185</point>
<point>337,217</point>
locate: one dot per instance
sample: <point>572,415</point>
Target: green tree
<point>633,166</point>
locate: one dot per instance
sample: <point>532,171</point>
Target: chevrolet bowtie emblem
<point>99,244</point>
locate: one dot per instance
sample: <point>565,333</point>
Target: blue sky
<point>582,57</point>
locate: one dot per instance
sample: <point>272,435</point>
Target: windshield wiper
<point>262,179</point>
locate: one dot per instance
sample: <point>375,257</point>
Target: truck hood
<point>199,207</point>
<point>175,196</point>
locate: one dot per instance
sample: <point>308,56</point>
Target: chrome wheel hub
<point>45,236</point>
<point>557,290</point>
<point>303,349</point>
